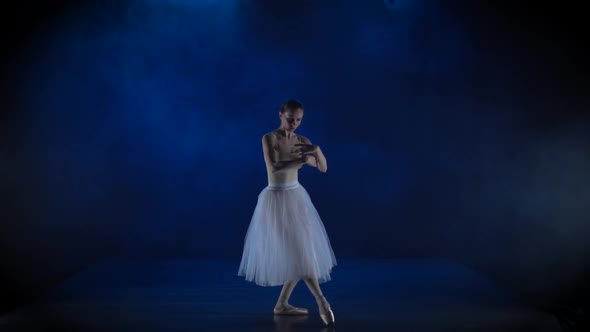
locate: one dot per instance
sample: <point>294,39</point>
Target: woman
<point>286,240</point>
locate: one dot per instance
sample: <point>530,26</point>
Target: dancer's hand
<point>310,159</point>
<point>307,148</point>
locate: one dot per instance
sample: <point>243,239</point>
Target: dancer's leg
<point>283,307</point>
<point>286,293</point>
<point>314,287</point>
<point>326,312</point>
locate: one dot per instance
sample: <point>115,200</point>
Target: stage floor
<point>207,295</point>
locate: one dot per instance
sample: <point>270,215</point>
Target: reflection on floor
<point>207,295</point>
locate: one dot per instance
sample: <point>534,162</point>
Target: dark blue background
<point>451,130</point>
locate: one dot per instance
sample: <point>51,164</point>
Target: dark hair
<point>291,105</point>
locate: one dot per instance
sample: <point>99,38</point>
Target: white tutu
<point>286,239</point>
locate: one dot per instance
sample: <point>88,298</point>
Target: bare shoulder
<point>269,136</point>
<point>303,139</point>
<point>270,139</point>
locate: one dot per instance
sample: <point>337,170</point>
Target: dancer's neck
<point>287,133</point>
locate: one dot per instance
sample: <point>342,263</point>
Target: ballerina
<point>286,240</point>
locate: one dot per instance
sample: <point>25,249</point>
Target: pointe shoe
<point>290,310</point>
<point>326,312</point>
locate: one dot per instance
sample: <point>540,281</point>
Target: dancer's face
<point>291,119</point>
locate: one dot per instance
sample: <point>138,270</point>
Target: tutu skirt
<point>286,239</point>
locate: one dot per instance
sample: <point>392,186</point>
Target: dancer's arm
<point>270,158</point>
<point>320,160</point>
<point>288,164</point>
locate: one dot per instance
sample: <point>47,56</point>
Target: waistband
<point>283,186</point>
